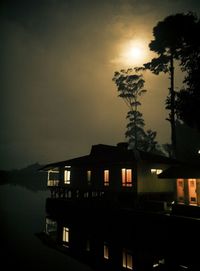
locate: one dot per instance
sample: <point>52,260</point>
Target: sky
<point>57,61</point>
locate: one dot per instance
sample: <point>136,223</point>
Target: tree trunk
<point>172,103</point>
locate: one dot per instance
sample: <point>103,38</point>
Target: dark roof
<point>102,154</point>
<point>181,171</point>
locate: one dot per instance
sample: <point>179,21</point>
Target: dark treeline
<point>29,177</point>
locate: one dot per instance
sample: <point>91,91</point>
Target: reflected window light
<point>127,259</point>
<point>106,177</point>
<point>158,263</point>
<point>65,236</point>
<point>69,194</point>
<point>183,266</point>
<point>106,251</point>
<point>86,194</point>
<point>89,176</point>
<point>88,245</point>
<point>126,177</point>
<point>94,194</point>
<point>50,226</point>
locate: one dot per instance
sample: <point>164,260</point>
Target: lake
<point>22,216</point>
<point>87,240</point>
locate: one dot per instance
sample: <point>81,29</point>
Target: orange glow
<point>106,177</point>
<point>180,190</point>
<point>106,251</point>
<point>127,260</point>
<point>133,52</point>
<point>89,176</point>
<point>126,177</point>
<point>192,191</point>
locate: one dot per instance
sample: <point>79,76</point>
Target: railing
<point>71,193</point>
<point>53,183</point>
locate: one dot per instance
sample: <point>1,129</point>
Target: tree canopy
<point>130,86</point>
<point>175,38</point>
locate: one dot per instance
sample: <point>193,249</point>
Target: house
<point>112,173</point>
<point>187,179</point>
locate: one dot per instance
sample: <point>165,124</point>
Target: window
<point>89,177</point>
<point>126,177</point>
<point>106,177</point>
<point>156,171</point>
<point>127,259</point>
<point>180,182</point>
<point>51,226</point>
<point>53,178</point>
<point>106,251</point>
<point>67,176</point>
<point>66,236</point>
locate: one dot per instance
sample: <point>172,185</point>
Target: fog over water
<point>22,215</point>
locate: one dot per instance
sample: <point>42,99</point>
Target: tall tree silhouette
<point>170,37</point>
<point>130,86</point>
<point>188,99</point>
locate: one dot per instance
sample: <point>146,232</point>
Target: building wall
<point>149,182</point>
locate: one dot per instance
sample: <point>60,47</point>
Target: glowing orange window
<point>126,177</point>
<point>106,177</point>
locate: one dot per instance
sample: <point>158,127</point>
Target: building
<point>112,173</point>
<point>187,183</point>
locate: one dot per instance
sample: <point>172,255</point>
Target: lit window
<point>67,176</point>
<point>53,178</point>
<point>51,226</point>
<point>106,251</point>
<point>156,171</point>
<point>127,260</point>
<point>126,177</point>
<point>106,177</point>
<point>65,236</point>
<point>89,177</point>
<point>192,182</point>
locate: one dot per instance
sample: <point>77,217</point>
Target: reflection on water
<point>123,240</point>
<point>91,240</point>
<point>22,215</point>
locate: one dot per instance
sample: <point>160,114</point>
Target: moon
<point>134,52</point>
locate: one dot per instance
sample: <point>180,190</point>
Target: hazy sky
<point>57,60</point>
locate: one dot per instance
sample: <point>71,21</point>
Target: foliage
<point>188,99</point>
<point>130,86</point>
<point>171,37</point>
